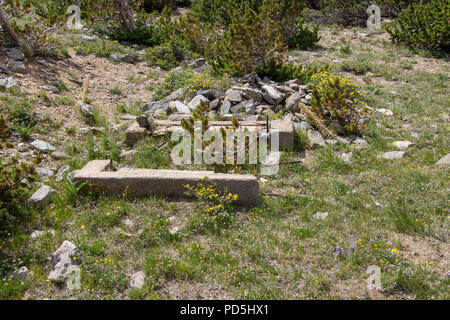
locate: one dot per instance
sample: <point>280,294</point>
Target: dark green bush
<point>281,72</point>
<point>162,56</point>
<point>303,37</point>
<point>424,25</point>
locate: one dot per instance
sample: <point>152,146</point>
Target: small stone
<point>42,146</point>
<point>385,112</point>
<point>8,82</point>
<point>210,94</point>
<point>114,58</point>
<point>225,108</point>
<point>58,155</point>
<point>87,38</point>
<point>174,230</point>
<point>444,161</point>
<point>321,215</point>
<point>128,58</point>
<point>128,222</point>
<point>402,145</point>
<point>247,106</point>
<point>392,155</point>
<point>214,104</point>
<point>15,54</point>
<point>128,117</point>
<point>346,157</point>
<point>17,66</point>
<point>195,102</point>
<point>137,280</point>
<point>293,101</point>
<point>44,173</point>
<point>50,88</point>
<point>179,107</point>
<point>175,95</point>
<point>276,96</point>
<point>315,139</point>
<point>42,196</point>
<point>62,259</point>
<point>86,109</point>
<point>21,274</point>
<point>62,173</point>
<point>234,95</point>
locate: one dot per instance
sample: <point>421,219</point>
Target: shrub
<point>162,56</point>
<point>303,38</point>
<point>424,25</point>
<point>175,80</point>
<point>336,98</point>
<point>281,72</point>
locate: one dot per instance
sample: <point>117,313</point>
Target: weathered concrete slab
<point>286,133</point>
<point>106,179</point>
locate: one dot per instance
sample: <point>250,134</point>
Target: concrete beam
<point>145,182</point>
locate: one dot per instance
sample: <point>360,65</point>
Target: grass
<point>394,213</point>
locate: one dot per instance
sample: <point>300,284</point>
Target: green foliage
<point>424,25</point>
<point>303,37</point>
<point>162,56</point>
<point>336,98</point>
<point>175,79</point>
<point>280,72</point>
<point>360,66</point>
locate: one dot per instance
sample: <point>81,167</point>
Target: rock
<point>360,142</point>
<point>180,107</point>
<point>210,94</point>
<point>402,145</point>
<point>160,113</point>
<point>251,94</point>
<point>38,233</point>
<point>62,173</point>
<point>15,54</point>
<point>198,63</point>
<point>44,173</point>
<point>234,95</point>
<point>337,126</point>
<point>86,109</point>
<point>225,108</point>
<point>286,89</point>
<point>195,102</point>
<point>8,82</point>
<point>230,116</point>
<point>362,34</point>
<point>62,259</point>
<point>127,154</point>
<point>315,139</point>
<point>247,106</point>
<point>42,196</point>
<point>392,155</point>
<point>343,140</point>
<point>444,161</point>
<point>274,94</point>
<point>133,134</point>
<point>346,157</point>
<point>128,117</point>
<point>42,146</point>
<point>57,155</point>
<point>213,105</point>
<point>128,58</point>
<point>178,116</point>
<point>114,58</point>
<point>50,88</point>
<point>321,215</point>
<point>44,63</point>
<point>137,280</point>
<point>17,66</point>
<point>3,69</point>
<point>174,230</point>
<point>88,38</point>
<point>175,95</point>
<point>293,101</point>
<point>385,112</point>
<point>128,222</point>
<point>153,106</point>
<point>22,274</point>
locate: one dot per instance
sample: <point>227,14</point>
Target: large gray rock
<point>251,94</point>
<point>137,280</point>
<point>175,95</point>
<point>402,145</point>
<point>15,54</point>
<point>247,106</point>
<point>179,107</point>
<point>42,196</point>
<point>211,94</point>
<point>156,105</point>
<point>195,102</point>
<point>225,108</point>
<point>274,94</point>
<point>234,95</point>
<point>8,82</point>
<point>62,259</point>
<point>444,161</point>
<point>293,101</point>
<point>392,155</point>
<point>315,139</point>
<point>42,146</point>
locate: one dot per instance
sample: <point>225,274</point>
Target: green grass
<point>394,213</point>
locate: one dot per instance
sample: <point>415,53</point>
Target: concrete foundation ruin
<point>104,178</point>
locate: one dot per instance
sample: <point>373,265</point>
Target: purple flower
<point>338,251</point>
<point>351,249</point>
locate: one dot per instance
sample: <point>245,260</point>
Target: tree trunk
<point>8,28</point>
<point>125,15</point>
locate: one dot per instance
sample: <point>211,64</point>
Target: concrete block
<point>144,182</point>
<point>286,133</point>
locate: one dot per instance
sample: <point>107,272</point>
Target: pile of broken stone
<point>249,99</point>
